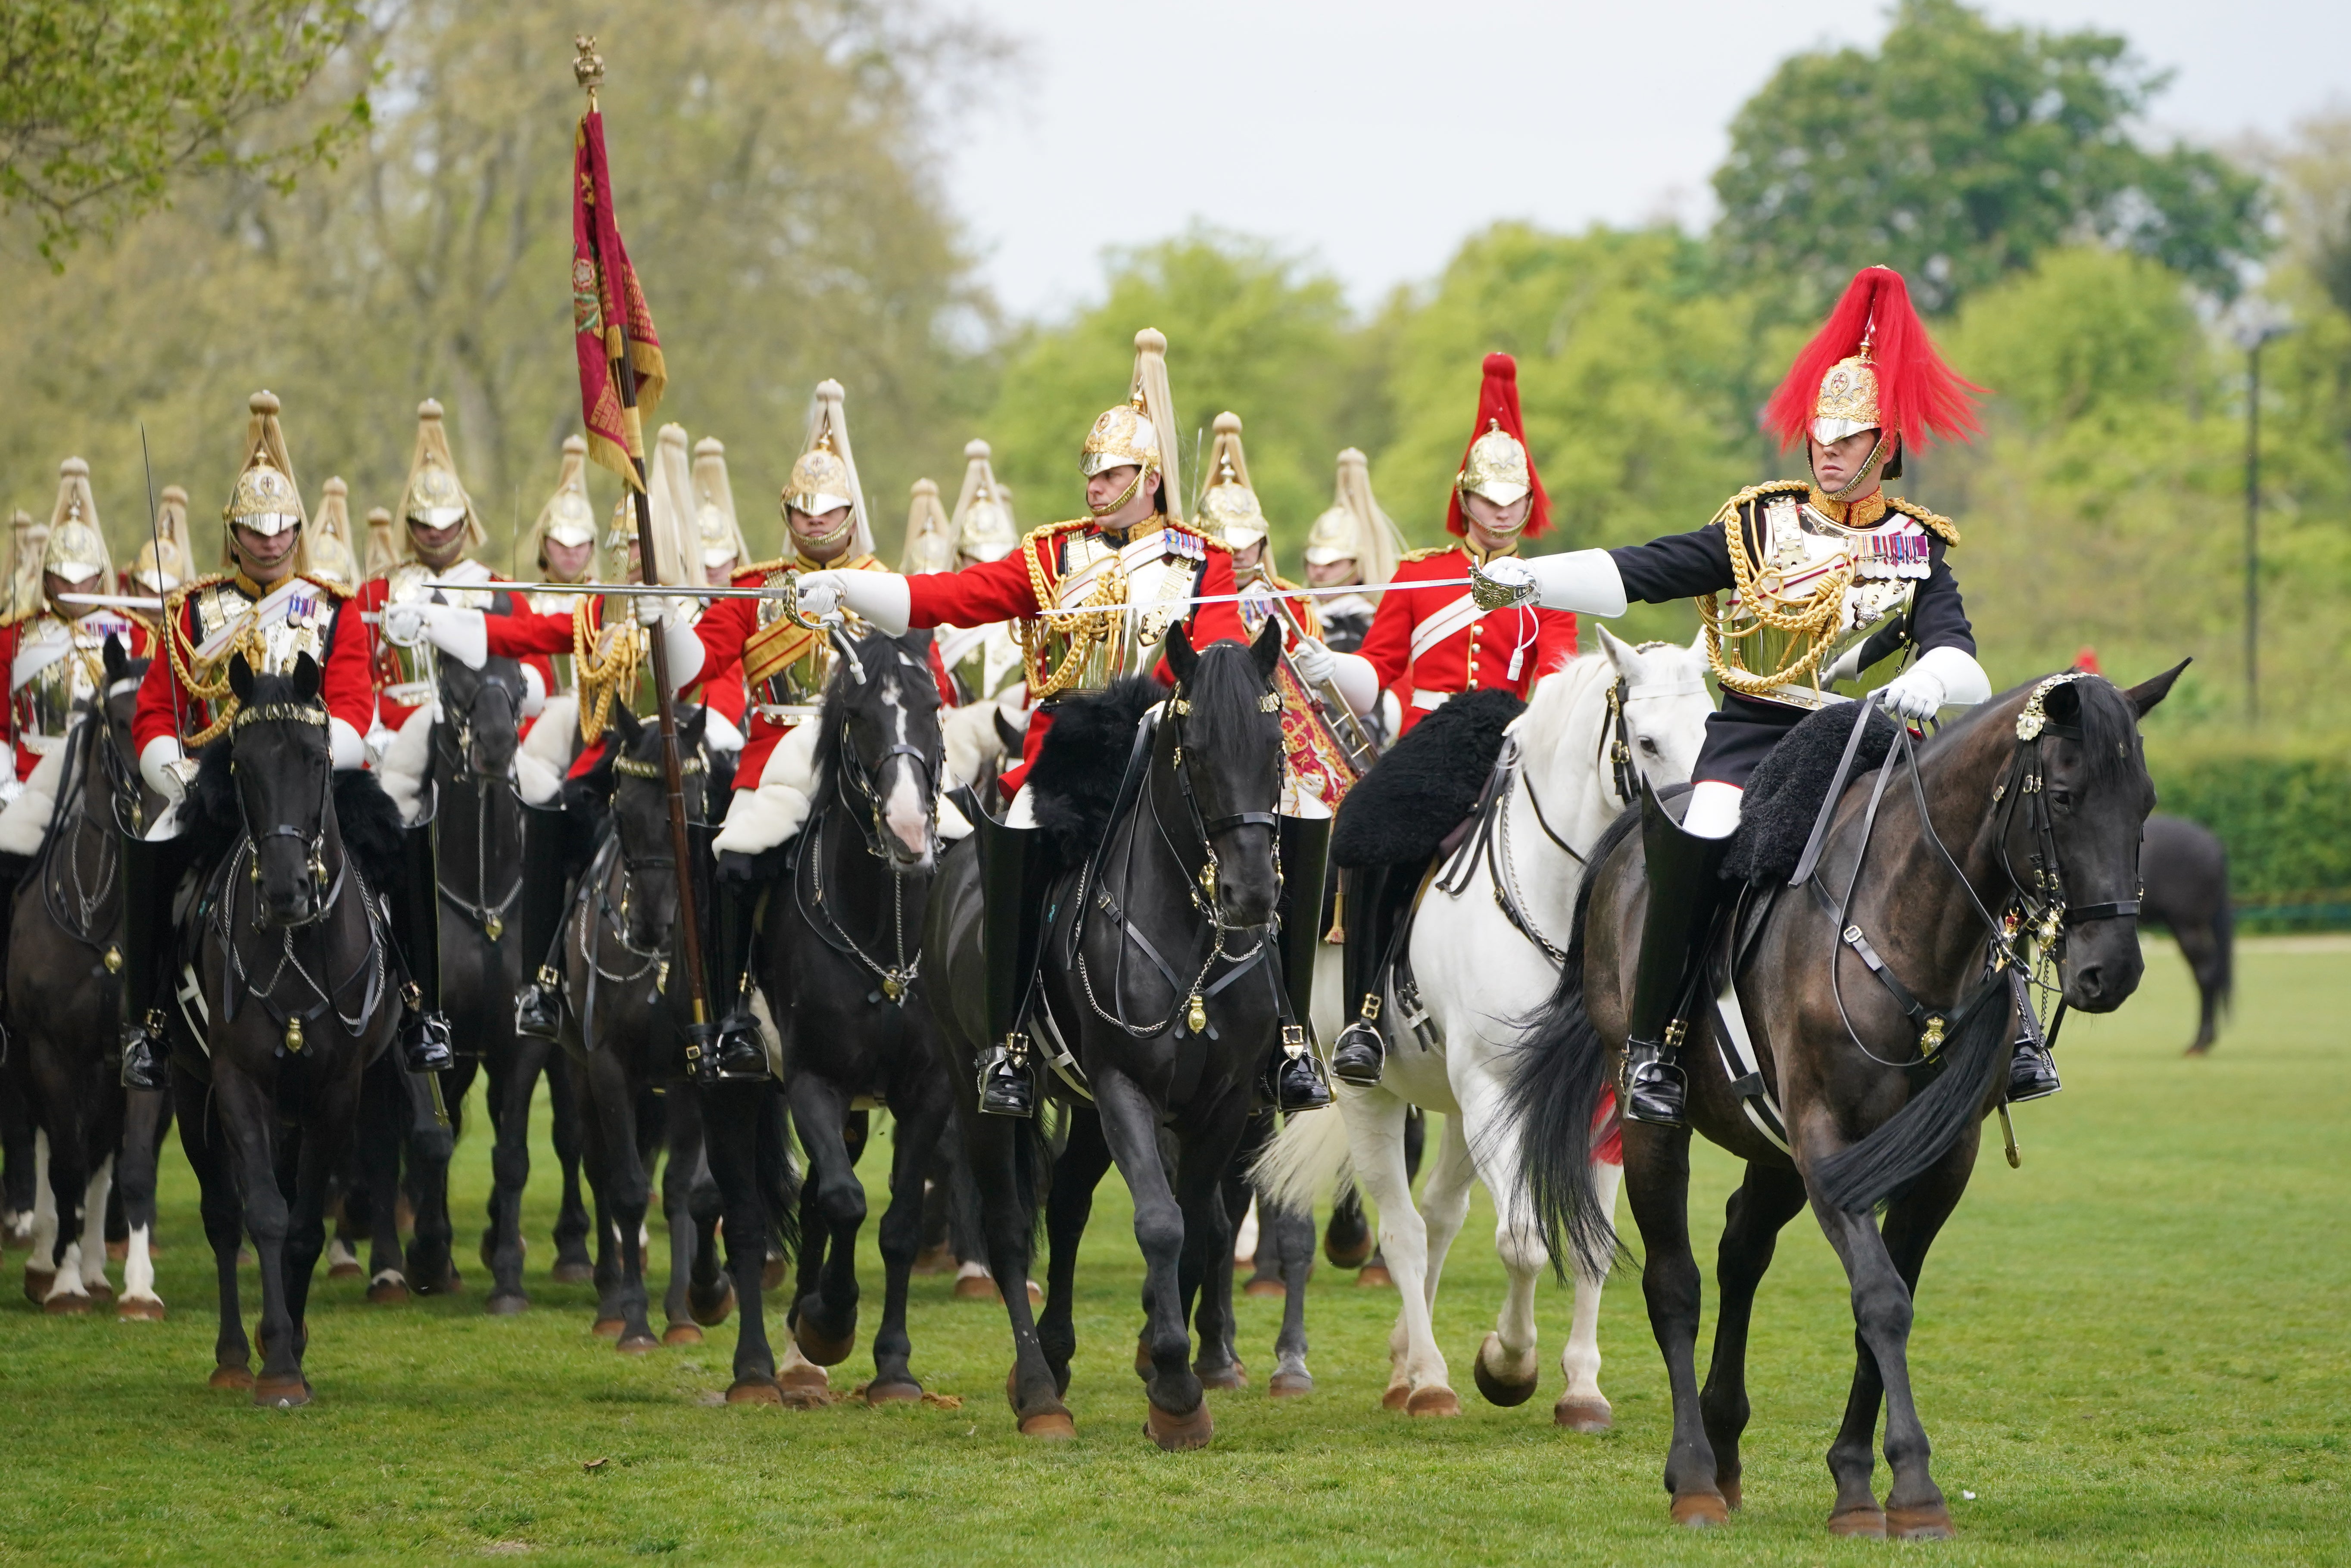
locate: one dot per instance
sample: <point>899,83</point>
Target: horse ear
<point>1266,651</point>
<point>1008,732</point>
<point>306,678</point>
<point>627,722</point>
<point>118,663</point>
<point>1180,657</point>
<point>240,678</point>
<point>1618,650</point>
<point>2147,693</point>
<point>689,733</point>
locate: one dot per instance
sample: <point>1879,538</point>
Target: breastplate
<point>407,675</point>
<point>64,664</point>
<point>1150,576</point>
<point>1814,587</point>
<point>298,625</point>
<point>786,665</point>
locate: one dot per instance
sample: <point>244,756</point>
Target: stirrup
<point>737,1055</point>
<point>538,1010</point>
<point>1296,1077</point>
<point>2032,1073</point>
<point>424,1043</point>
<point>1653,1088</point>
<point>1006,1087</point>
<point>1360,1053</point>
<point>143,1065</point>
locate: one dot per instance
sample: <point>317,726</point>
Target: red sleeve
<point>1554,642</point>
<point>1217,622</point>
<point>1388,645</point>
<point>523,632</point>
<point>980,593</point>
<point>726,694</point>
<point>726,628</point>
<point>347,682</point>
<point>155,714</point>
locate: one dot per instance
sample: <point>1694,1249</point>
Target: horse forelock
<point>1554,706</point>
<point>901,688</point>
<point>1227,718</point>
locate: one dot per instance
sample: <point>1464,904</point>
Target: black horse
<point>64,997</point>
<point>840,947</point>
<point>624,1037</point>
<point>2187,873</point>
<point>1172,1047</point>
<point>297,989</point>
<point>1882,1037</point>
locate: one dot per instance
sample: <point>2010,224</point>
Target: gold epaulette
<point>1935,522</point>
<point>762,569</point>
<point>1426,551</point>
<point>333,588</point>
<point>1758,492</point>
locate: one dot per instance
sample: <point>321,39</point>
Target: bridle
<point>314,844</point>
<point>453,749</point>
<point>74,909</point>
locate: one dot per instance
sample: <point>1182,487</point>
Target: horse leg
<point>2200,944</point>
<point>901,1237</point>
<point>1416,1372</point>
<point>511,1093</point>
<point>95,1201</point>
<point>824,1319</point>
<point>1768,1198</point>
<point>623,1192</point>
<point>1004,1156</point>
<point>1347,1240</point>
<point>1208,1278</point>
<point>1656,1170</point>
<point>143,1117</point>
<point>1581,1407</point>
<point>1507,1369</point>
<point>1069,1203</point>
<point>1884,1271</point>
<point>731,1126</point>
<point>572,1264</point>
<point>1293,1244</point>
<point>16,1163</point>
<point>250,1115</point>
<point>682,1172</point>
<point>1178,1417</point>
<point>430,1146</point>
<point>41,1262</point>
<point>383,1105</point>
<point>69,1184</point>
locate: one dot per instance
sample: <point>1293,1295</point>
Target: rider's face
<point>1835,463</point>
<point>1494,528</point>
<point>436,546</point>
<point>264,557</point>
<point>569,563</point>
<point>1107,486</point>
<point>1332,574</point>
<point>819,534</point>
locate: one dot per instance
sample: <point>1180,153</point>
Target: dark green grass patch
<point>2130,1350</point>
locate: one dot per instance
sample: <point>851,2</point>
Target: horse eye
<point>1649,745</point>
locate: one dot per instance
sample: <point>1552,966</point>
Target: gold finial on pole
<point>588,66</point>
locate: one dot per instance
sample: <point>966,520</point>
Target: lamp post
<point>2255,328</point>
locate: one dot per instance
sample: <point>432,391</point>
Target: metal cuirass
<point>306,619</point>
<point>59,665</point>
<point>1153,572</point>
<point>1841,584</point>
<point>408,676</point>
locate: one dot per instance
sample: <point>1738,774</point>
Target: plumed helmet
<point>1230,510</point>
<point>1872,367</point>
<point>930,536</point>
<point>382,544</point>
<point>265,499</point>
<point>568,518</point>
<point>983,525</point>
<point>825,474</point>
<point>1140,431</point>
<point>330,541</point>
<point>433,495</point>
<point>715,522</point>
<point>1497,464</point>
<point>75,549</point>
<point>162,570</point>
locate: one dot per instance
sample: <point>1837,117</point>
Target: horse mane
<point>1542,726</point>
<point>1224,691</point>
<point>1074,785</point>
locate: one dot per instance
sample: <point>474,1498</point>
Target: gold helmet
<point>433,495</point>
<point>1496,467</point>
<point>930,537</point>
<point>1230,511</point>
<point>265,499</point>
<point>1847,401</point>
<point>568,518</point>
<point>160,571</point>
<point>75,550</point>
<point>331,540</point>
<point>983,525</point>
<point>714,522</point>
<point>1355,528</point>
<point>825,475</point>
<point>382,544</point>
<point>1139,434</point>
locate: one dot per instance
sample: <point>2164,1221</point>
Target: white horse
<point>1479,972</point>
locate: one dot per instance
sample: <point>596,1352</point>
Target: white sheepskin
<point>406,762</point>
<point>972,742</point>
<point>546,754</point>
<point>26,819</point>
<point>759,819</point>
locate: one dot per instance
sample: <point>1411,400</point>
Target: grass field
<point>2131,1350</point>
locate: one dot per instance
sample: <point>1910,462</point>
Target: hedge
<point>2284,809</point>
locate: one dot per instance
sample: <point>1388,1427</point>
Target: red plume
<point>1497,403</point>
<point>1917,392</point>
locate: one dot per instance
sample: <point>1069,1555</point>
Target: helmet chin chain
<point>1113,508</point>
<point>1862,474</point>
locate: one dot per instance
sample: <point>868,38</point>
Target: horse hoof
<point>65,1306</point>
<point>1221,1377</point>
<point>680,1334</point>
<point>938,1260</point>
<point>977,1288</point>
<point>1052,1426</point>
<point>1376,1276</point>
<point>1347,1256</point>
<point>611,1327</point>
<point>1272,1290</point>
<point>755,1391</point>
<point>771,1274</point>
<point>231,1376</point>
<point>1437,1401</point>
<point>798,1394</point>
<point>1931,1522</point>
<point>881,1393</point>
<point>1497,1390</point>
<point>387,1292</point>
<point>1865,1523</point>
<point>637,1344</point>
<point>817,1348</point>
<point>1700,1511</point>
<point>138,1308</point>
<point>1287,1384</point>
<point>98,1290</point>
<point>1588,1416</point>
<point>1733,1498</point>
<point>282,1393</point>
<point>572,1272</point>
<point>506,1304</point>
<point>37,1282</point>
<point>710,1311</point>
<point>345,1271</point>
<point>1177,1434</point>
<point>1394,1397</point>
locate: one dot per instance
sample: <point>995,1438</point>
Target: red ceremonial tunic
<point>1431,643</point>
<point>345,683</point>
<point>52,663</point>
<point>523,632</point>
<point>1024,581</point>
<point>392,669</point>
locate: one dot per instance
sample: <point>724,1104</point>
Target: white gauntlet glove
<point>820,592</point>
<point>165,768</point>
<point>1351,673</point>
<point>1943,677</point>
<point>881,597</point>
<point>1314,662</point>
<point>462,634</point>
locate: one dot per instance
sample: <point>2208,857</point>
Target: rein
<point>453,745</point>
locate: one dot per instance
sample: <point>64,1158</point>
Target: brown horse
<point>1882,1037</point>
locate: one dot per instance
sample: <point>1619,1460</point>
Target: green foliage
<point>104,102</point>
<point>1959,153</point>
<point>2284,811</point>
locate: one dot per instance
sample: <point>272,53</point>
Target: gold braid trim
<point>214,694</point>
<point>1934,522</point>
<point>1813,620</point>
<point>1034,633</point>
<point>1426,551</point>
<point>600,676</point>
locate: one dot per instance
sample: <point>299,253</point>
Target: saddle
<point>1421,788</point>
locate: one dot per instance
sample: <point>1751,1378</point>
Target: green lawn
<point>2132,1349</point>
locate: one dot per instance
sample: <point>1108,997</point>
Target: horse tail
<point>1899,1150</point>
<point>1552,1088</point>
<point>1306,1162</point>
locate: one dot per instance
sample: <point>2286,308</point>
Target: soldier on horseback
<point>269,607</point>
<point>1352,544</point>
<point>1440,641</point>
<point>1828,579</point>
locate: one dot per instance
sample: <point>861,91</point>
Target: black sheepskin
<point>1074,783</point>
<point>369,819</point>
<point>1783,797</point>
<point>1424,784</point>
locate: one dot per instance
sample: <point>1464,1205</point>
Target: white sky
<point>1374,135</point>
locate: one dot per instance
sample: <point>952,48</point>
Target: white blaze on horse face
<point>906,810</point>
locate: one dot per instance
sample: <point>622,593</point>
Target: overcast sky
<point>1375,134</point>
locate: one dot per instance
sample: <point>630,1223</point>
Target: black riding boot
<point>2031,1067</point>
<point>736,1053</point>
<point>546,868</point>
<point>416,921</point>
<point>151,868</point>
<point>1294,1077</point>
<point>1684,890</point>
<point>1376,899</point>
<point>1012,896</point>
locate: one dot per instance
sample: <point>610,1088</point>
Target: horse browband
<point>279,713</point>
<point>686,768</point>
